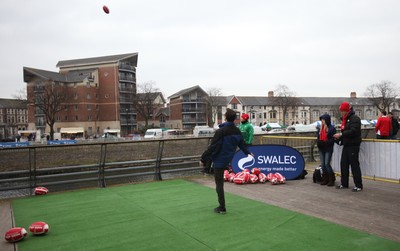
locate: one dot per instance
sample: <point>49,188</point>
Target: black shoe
<point>220,210</point>
<point>341,187</point>
<point>357,189</point>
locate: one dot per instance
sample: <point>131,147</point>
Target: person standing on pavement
<point>325,142</point>
<point>221,150</point>
<point>247,129</point>
<point>350,138</point>
<point>395,126</point>
<point>383,126</point>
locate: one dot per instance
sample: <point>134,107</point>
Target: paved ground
<point>375,210</point>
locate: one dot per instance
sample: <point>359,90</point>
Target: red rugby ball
<point>15,234</point>
<point>41,190</point>
<point>38,228</point>
<point>106,10</point>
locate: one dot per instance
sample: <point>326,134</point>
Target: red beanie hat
<point>245,116</point>
<point>344,107</point>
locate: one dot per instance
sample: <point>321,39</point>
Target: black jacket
<point>326,146</point>
<point>351,134</point>
<point>223,145</point>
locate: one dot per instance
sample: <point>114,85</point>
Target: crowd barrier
<point>379,159</point>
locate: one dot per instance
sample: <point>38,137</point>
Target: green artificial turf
<point>177,215</point>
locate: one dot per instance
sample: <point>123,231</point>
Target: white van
<point>203,131</point>
<point>154,133</point>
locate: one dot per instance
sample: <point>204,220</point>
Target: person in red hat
<point>350,138</point>
<point>247,129</point>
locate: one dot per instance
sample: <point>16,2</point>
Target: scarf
<point>323,134</point>
<point>344,120</point>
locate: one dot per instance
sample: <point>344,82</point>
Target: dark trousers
<point>350,155</point>
<point>219,185</point>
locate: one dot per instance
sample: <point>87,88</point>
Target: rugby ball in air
<point>38,228</point>
<point>15,234</point>
<point>41,190</point>
<point>106,9</point>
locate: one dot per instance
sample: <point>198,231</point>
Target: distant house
<point>151,106</point>
<point>13,117</point>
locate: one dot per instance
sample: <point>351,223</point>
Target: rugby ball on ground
<point>41,190</point>
<point>38,228</point>
<point>15,234</point>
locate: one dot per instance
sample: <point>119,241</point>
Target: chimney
<point>353,95</point>
<point>270,94</point>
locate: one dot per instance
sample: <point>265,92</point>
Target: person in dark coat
<point>350,138</point>
<point>325,144</point>
<point>221,151</point>
<point>395,126</point>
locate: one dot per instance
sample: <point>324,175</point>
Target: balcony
<point>126,68</point>
<point>193,100</point>
<point>193,110</point>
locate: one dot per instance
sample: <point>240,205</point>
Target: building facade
<point>13,117</point>
<point>98,94</point>
<point>188,108</point>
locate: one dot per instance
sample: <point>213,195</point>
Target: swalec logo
<point>271,159</point>
<point>246,162</point>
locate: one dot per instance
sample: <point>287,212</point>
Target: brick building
<point>189,108</point>
<point>98,93</point>
<point>13,117</point>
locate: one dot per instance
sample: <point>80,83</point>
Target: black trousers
<point>219,185</point>
<point>350,157</point>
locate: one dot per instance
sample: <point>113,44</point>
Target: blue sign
<point>61,142</point>
<point>271,159</point>
<point>13,144</point>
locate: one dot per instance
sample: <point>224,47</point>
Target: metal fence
<point>63,167</point>
<point>379,159</point>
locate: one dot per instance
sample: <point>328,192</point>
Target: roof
<point>132,57</point>
<point>13,103</point>
<point>151,95</point>
<point>220,100</point>
<point>185,91</point>
<point>71,76</point>
<point>333,101</point>
<point>163,111</point>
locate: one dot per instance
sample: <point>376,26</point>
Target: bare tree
<point>50,100</point>
<point>382,94</point>
<point>285,98</point>
<point>213,104</point>
<point>144,101</point>
<point>21,94</point>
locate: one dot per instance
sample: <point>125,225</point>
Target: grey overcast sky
<point>316,48</point>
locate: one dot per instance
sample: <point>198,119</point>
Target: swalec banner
<point>271,159</point>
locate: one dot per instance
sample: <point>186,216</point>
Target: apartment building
<point>189,108</point>
<point>13,117</point>
<point>98,93</point>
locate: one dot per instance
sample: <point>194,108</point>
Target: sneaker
<point>341,187</point>
<point>357,189</point>
<point>220,210</point>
